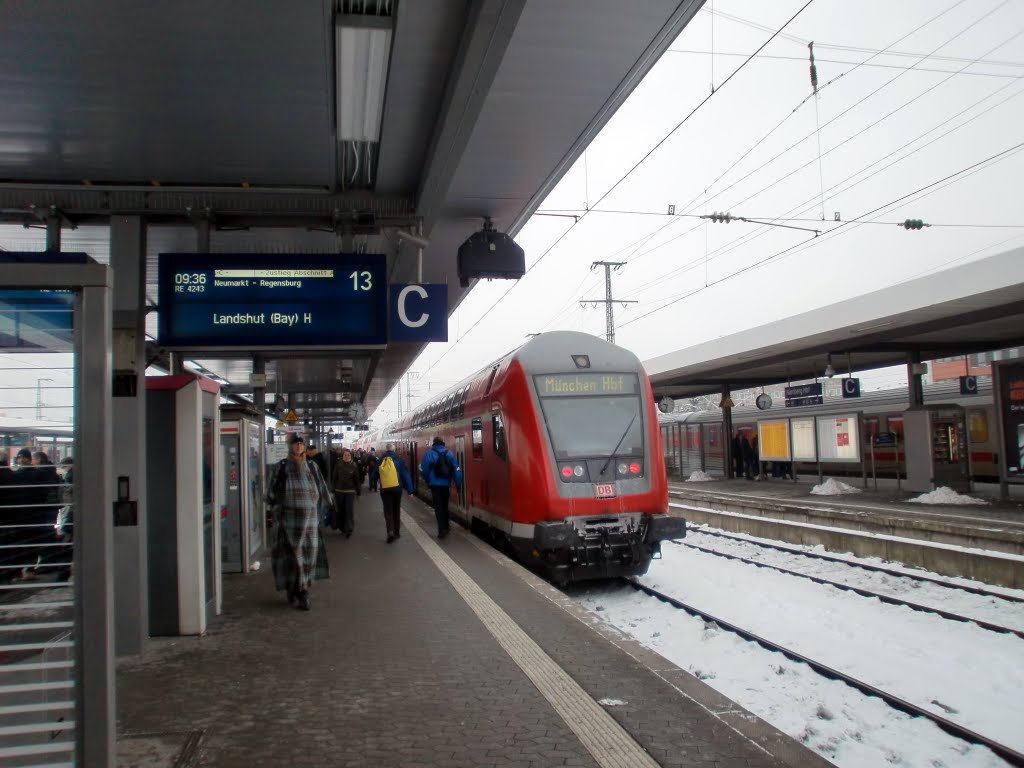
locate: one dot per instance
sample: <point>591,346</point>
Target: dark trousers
<point>392,501</point>
<point>439,500</point>
<point>344,505</point>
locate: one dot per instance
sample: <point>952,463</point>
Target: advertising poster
<point>773,440</point>
<point>804,448</point>
<point>839,438</point>
<point>1010,378</point>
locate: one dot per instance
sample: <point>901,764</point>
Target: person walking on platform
<point>371,468</point>
<point>345,481</point>
<point>319,458</point>
<point>759,467</point>
<point>747,452</point>
<point>440,468</point>
<point>394,477</point>
<point>737,454</point>
<point>297,494</point>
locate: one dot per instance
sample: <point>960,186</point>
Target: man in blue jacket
<point>394,477</point>
<point>440,469</point>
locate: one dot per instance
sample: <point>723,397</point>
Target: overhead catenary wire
<point>808,203</point>
<point>945,181</point>
<point>637,245</point>
<point>851,48</point>
<point>751,236</point>
<point>629,172</point>
<point>691,204</point>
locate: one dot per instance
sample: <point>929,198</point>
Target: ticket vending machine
<point>242,518</point>
<point>937,448</point>
<point>182,422</point>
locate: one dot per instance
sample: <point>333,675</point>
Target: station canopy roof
<point>313,127</point>
<point>975,307</point>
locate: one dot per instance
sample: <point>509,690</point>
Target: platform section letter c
<point>418,312</point>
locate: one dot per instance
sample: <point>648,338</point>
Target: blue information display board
<point>259,301</point>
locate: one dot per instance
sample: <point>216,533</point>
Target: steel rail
<point>861,591</point>
<point>1007,753</point>
<point>865,566</point>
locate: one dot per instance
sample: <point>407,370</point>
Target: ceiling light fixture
<point>362,51</point>
<point>829,370</point>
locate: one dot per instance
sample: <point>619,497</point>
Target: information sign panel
<point>1009,377</point>
<point>839,438</point>
<point>222,301</point>
<point>804,394</point>
<point>773,440</point>
<point>851,388</point>
<point>802,431</point>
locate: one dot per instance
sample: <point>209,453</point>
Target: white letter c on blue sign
<point>422,293</point>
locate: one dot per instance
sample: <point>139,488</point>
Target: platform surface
<point>423,653</point>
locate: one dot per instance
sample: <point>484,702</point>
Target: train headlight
<point>566,472</point>
<point>623,469</point>
<point>578,470</point>
<point>636,468</point>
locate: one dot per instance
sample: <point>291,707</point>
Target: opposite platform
<point>423,653</point>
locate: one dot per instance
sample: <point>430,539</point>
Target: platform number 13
<point>362,281</point>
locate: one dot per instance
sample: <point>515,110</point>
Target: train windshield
<point>592,414</point>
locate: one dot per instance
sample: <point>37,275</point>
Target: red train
<point>561,456</point>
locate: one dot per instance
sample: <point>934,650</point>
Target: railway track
<point>865,566</point>
<point>1012,756</point>
<point>889,600</point>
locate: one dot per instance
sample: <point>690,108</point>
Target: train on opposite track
<point>696,440</point>
<point>559,446</point>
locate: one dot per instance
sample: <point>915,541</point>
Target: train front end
<point>608,502</point>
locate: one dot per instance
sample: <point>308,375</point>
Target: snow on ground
<point>1005,613</point>
<point>945,495</point>
<point>833,487</point>
<point>699,477</point>
<point>970,675</point>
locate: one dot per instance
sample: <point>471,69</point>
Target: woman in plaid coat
<point>297,493</point>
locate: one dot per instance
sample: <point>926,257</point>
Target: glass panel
<point>499,436</point>
<point>977,422</point>
<point>580,424</point>
<point>37,603</point>
<point>478,439</point>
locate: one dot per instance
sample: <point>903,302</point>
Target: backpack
<point>443,466</point>
<point>388,473</point>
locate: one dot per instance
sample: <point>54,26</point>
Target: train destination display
<point>260,301</point>
<point>587,384</point>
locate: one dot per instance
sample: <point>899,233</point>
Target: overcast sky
<point>909,93</point>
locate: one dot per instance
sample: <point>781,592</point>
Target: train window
<point>478,439</point>
<point>449,407</point>
<point>490,379</point>
<point>463,396</point>
<point>592,415</point>
<point>500,449</point>
<point>977,425</point>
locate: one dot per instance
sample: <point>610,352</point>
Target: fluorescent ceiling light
<point>362,50</point>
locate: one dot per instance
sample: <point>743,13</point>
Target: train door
<point>501,480</point>
<point>460,456</point>
<point>414,462</point>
